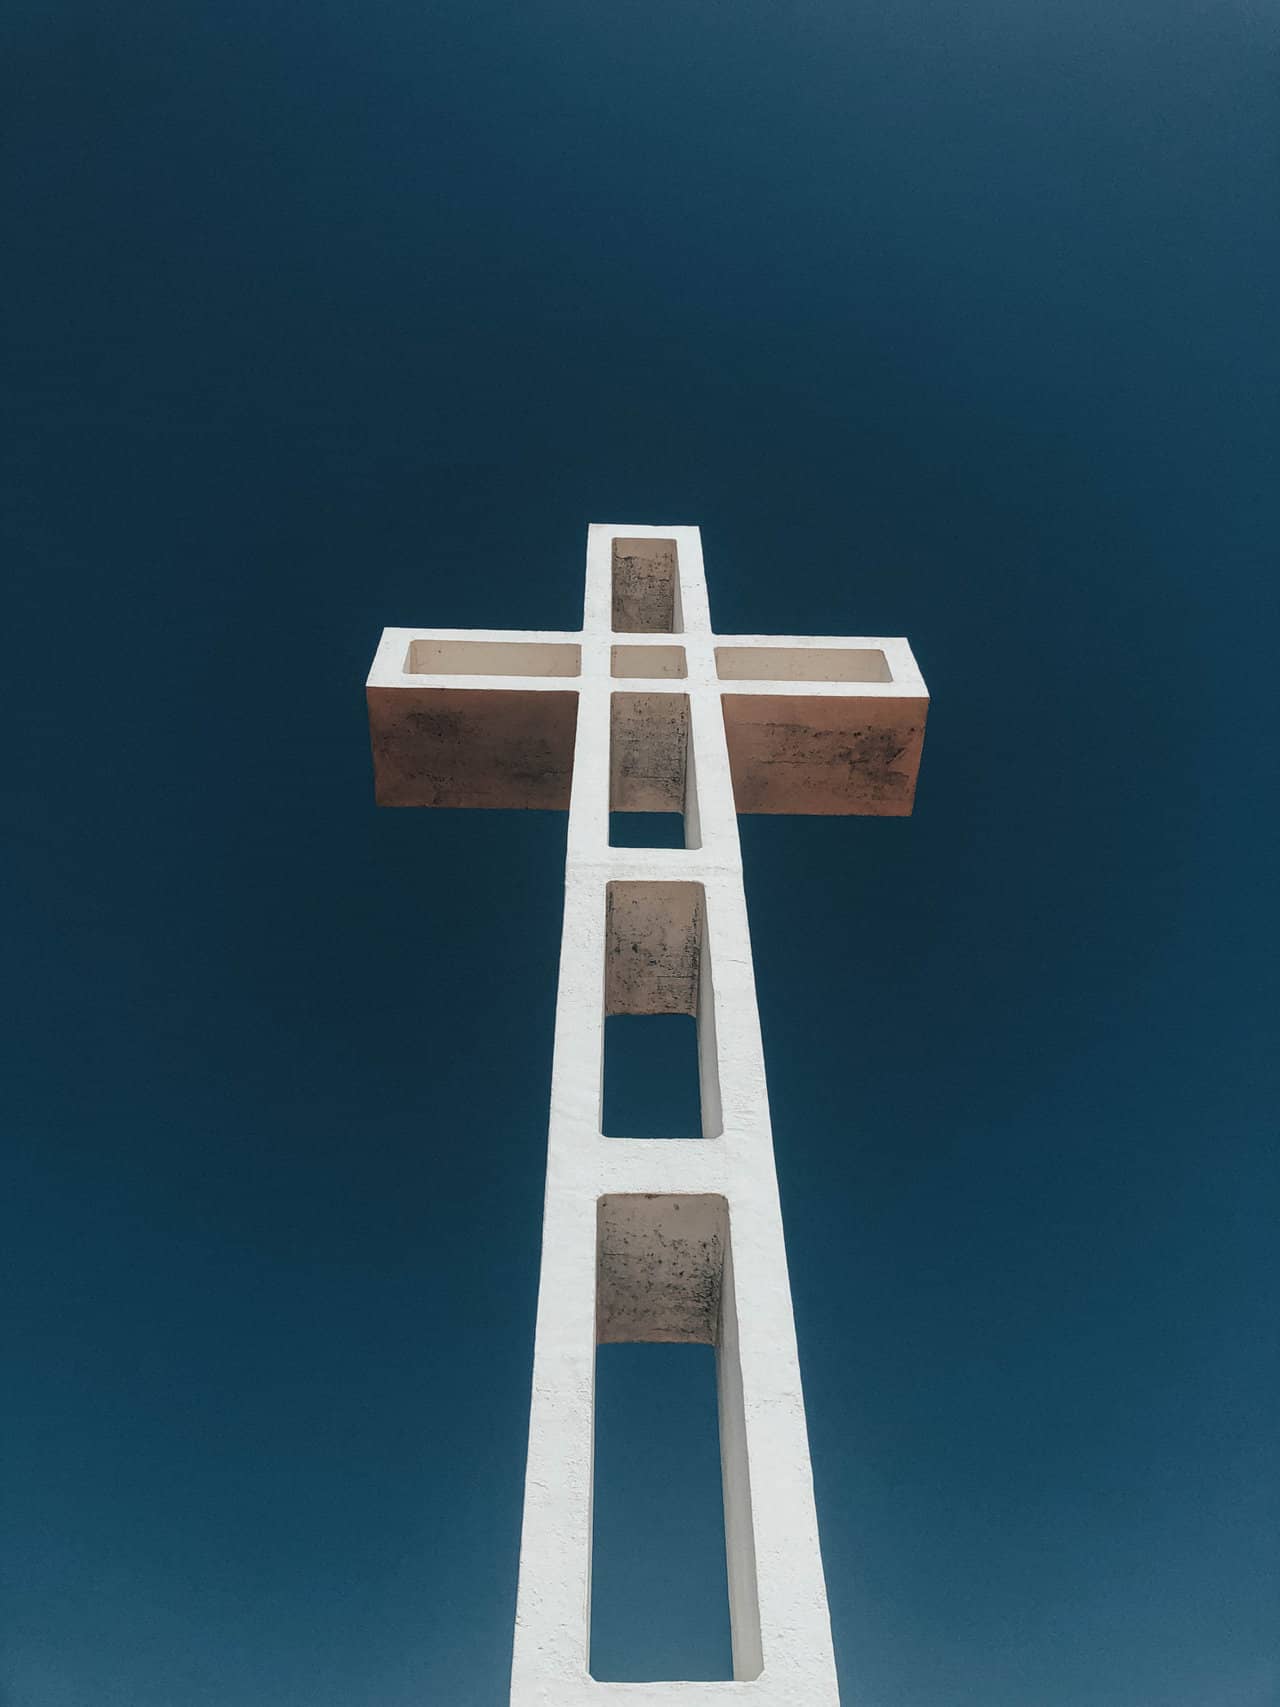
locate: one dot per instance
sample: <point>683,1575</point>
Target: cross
<point>647,710</point>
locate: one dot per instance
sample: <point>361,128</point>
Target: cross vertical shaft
<point>617,1203</point>
<point>679,1239</point>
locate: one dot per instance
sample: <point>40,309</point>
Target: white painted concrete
<point>675,1239</point>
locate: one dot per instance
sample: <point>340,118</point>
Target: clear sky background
<point>951,320</point>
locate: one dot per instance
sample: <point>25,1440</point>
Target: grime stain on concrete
<point>648,744</point>
<point>653,943</point>
<point>644,586</point>
<point>472,747</point>
<point>659,1268</point>
<point>824,754</point>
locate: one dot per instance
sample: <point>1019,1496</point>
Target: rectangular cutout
<point>651,1081</point>
<point>492,658</point>
<point>650,661</point>
<point>802,664</point>
<point>659,1589</point>
<point>649,766</point>
<point>664,1277</point>
<point>646,830</point>
<point>658,965</point>
<point>646,594</point>
<point>653,947</point>
<point>648,744</point>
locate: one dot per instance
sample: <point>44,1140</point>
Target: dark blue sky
<point>958,321</point>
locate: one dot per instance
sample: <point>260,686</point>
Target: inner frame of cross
<point>645,709</point>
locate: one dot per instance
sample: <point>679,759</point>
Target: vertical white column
<point>781,1632</point>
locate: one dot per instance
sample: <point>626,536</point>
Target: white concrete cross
<point>677,1239</point>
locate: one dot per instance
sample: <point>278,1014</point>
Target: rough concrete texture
<point>448,746</point>
<point>653,941</point>
<point>660,1261</point>
<point>824,755</point>
<point>644,586</point>
<point>681,1238</point>
<point>649,738</point>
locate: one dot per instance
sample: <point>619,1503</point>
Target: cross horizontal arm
<point>868,665</point>
<point>487,717</point>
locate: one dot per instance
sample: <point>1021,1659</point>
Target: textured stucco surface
<point>679,1239</point>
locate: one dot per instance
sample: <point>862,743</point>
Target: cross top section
<point>488,717</point>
